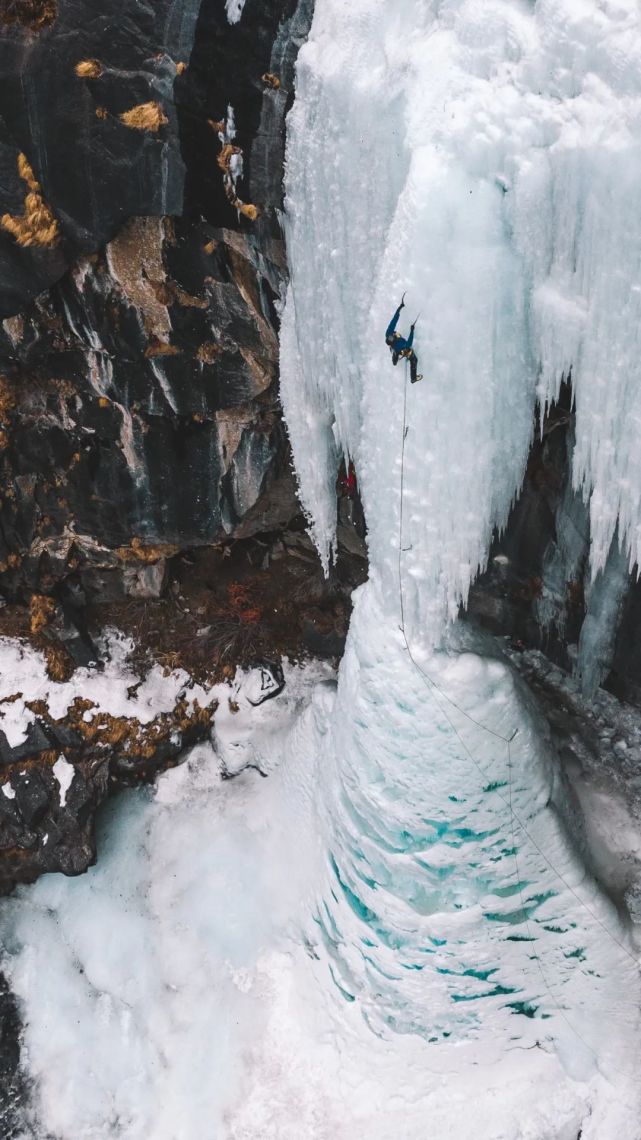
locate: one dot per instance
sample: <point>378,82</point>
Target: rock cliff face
<point>141,267</point>
<point>538,589</point>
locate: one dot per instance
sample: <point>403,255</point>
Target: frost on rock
<point>64,773</point>
<point>234,9</point>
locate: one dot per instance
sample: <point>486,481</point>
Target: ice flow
<point>393,927</point>
<point>483,157</point>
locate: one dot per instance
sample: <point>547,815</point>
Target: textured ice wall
<point>481,156</point>
<point>485,157</point>
<point>218,974</point>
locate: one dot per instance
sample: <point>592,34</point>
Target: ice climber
<point>399,346</point>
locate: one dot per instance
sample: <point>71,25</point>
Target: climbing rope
<point>435,691</point>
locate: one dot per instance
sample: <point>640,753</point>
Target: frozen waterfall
<point>481,156</point>
<point>485,157</point>
<point>392,936</point>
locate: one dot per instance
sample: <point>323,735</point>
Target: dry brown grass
<point>161,348</point>
<point>226,154</point>
<point>247,209</point>
<point>7,399</point>
<point>101,113</point>
<point>188,300</point>
<point>181,67</point>
<point>41,611</point>
<point>271,80</point>
<point>60,666</point>
<point>31,14</point>
<point>208,352</point>
<point>140,551</point>
<point>88,69</point>
<point>145,117</point>
<point>36,225</point>
<point>128,735</point>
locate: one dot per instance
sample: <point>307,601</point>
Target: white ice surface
<point>213,977</point>
<point>484,156</point>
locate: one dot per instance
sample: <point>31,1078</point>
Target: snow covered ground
<point>114,688</point>
<point>331,952</point>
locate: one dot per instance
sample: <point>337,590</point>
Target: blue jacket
<point>398,343</point>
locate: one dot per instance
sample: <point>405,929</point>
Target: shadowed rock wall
<point>538,589</point>
<point>139,349</point>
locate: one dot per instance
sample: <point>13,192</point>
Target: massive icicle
<point>485,157</point>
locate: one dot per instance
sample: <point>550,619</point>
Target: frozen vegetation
<point>394,926</point>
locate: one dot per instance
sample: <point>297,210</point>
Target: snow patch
<point>234,9</point>
<point>64,773</point>
<point>115,689</point>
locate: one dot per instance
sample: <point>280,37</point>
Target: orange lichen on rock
<point>271,80</point>
<point>247,209</point>
<point>181,67</point>
<point>208,352</point>
<point>161,348</point>
<point>7,398</point>
<point>41,611</point>
<point>226,154</point>
<point>31,14</point>
<point>140,551</point>
<point>101,113</point>
<point>88,69</point>
<point>210,246</point>
<point>145,117</point>
<point>232,171</point>
<point>188,299</point>
<point>36,225</point>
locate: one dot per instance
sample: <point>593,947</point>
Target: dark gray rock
<point>140,400</point>
<point>537,588</point>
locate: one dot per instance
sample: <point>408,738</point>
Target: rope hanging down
<point>435,690</point>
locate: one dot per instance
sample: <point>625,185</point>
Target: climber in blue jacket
<point>402,346</point>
